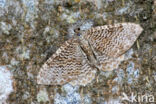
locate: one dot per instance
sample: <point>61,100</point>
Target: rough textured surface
<point>32,30</point>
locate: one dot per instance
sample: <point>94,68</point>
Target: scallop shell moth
<point>78,59</point>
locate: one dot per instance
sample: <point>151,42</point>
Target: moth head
<point>77,31</point>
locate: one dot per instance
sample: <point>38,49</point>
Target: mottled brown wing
<point>113,40</point>
<point>66,65</point>
<point>109,42</point>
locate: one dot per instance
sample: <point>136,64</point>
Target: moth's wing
<point>66,65</point>
<point>85,77</point>
<point>110,42</point>
<point>111,64</point>
<point>113,40</point>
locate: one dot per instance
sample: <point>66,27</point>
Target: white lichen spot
<point>123,10</point>
<point>14,22</point>
<point>6,4</point>
<point>104,16</point>
<point>5,56</point>
<point>31,8</point>
<point>25,54</point>
<point>46,30</point>
<point>69,88</point>
<point>72,97</point>
<point>59,99</point>
<point>5,27</point>
<point>115,89</point>
<point>42,96</point>
<point>132,73</point>
<point>87,99</point>
<point>86,25</point>
<point>50,34</point>
<point>2,3</point>
<point>14,61</point>
<point>50,1</point>
<point>99,4</point>
<point>26,95</point>
<point>129,54</point>
<point>70,17</point>
<point>6,86</point>
<point>55,33</point>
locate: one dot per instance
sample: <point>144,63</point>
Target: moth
<point>78,59</point>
